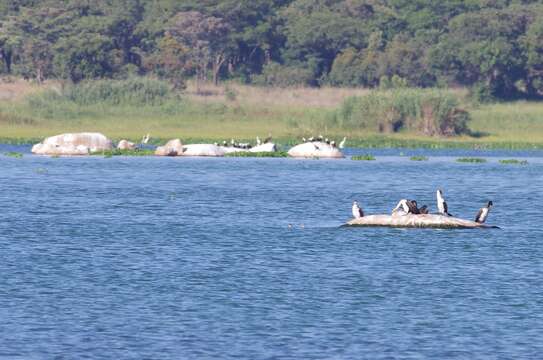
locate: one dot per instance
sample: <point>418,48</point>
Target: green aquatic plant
<point>257,154</point>
<point>418,158</point>
<point>514,162</point>
<point>14,154</point>
<point>471,160</point>
<point>366,157</point>
<point>119,152</point>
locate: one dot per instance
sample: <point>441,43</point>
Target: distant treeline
<point>495,47</point>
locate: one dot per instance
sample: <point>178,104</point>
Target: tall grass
<point>133,91</point>
<point>288,114</point>
<point>428,111</point>
<point>102,96</point>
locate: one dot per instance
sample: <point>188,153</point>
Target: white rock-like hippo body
<point>267,147</point>
<point>315,149</point>
<point>73,144</point>
<point>173,147</point>
<point>126,145</point>
<point>231,149</point>
<point>202,150</point>
<point>416,221</point>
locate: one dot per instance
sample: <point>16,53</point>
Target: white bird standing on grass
<point>258,142</point>
<point>357,211</point>
<point>342,143</point>
<point>145,139</point>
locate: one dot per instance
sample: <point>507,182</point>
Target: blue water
<point>210,258</point>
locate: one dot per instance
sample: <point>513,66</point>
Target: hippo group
<point>87,143</point>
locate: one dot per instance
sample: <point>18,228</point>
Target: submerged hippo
<point>318,149</point>
<point>73,144</point>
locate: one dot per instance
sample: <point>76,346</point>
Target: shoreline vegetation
<point>396,118</point>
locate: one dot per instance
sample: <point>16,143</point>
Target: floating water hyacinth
<point>119,152</point>
<point>14,154</point>
<point>514,162</point>
<point>257,154</point>
<point>471,160</point>
<point>366,157</point>
<point>418,158</point>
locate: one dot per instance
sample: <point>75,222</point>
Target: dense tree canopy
<point>493,46</point>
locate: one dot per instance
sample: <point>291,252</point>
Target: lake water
<point>225,258</point>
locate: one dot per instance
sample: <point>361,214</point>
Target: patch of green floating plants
<point>418,158</point>
<point>274,154</point>
<point>14,154</point>
<point>514,162</point>
<point>118,152</point>
<point>366,157</point>
<point>471,160</point>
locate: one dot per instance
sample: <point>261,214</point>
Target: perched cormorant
<point>333,143</point>
<point>483,213</point>
<point>357,211</point>
<point>423,209</point>
<point>442,207</point>
<point>413,209</point>
<point>268,139</point>
<point>402,206</point>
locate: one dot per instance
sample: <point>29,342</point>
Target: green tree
<point>204,37</point>
<point>484,48</point>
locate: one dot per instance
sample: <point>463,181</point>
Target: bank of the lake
<point>244,112</point>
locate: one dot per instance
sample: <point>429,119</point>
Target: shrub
<point>481,93</point>
<point>431,111</point>
<point>274,74</point>
<point>230,93</point>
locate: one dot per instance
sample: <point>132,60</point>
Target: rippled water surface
<point>194,258</point>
